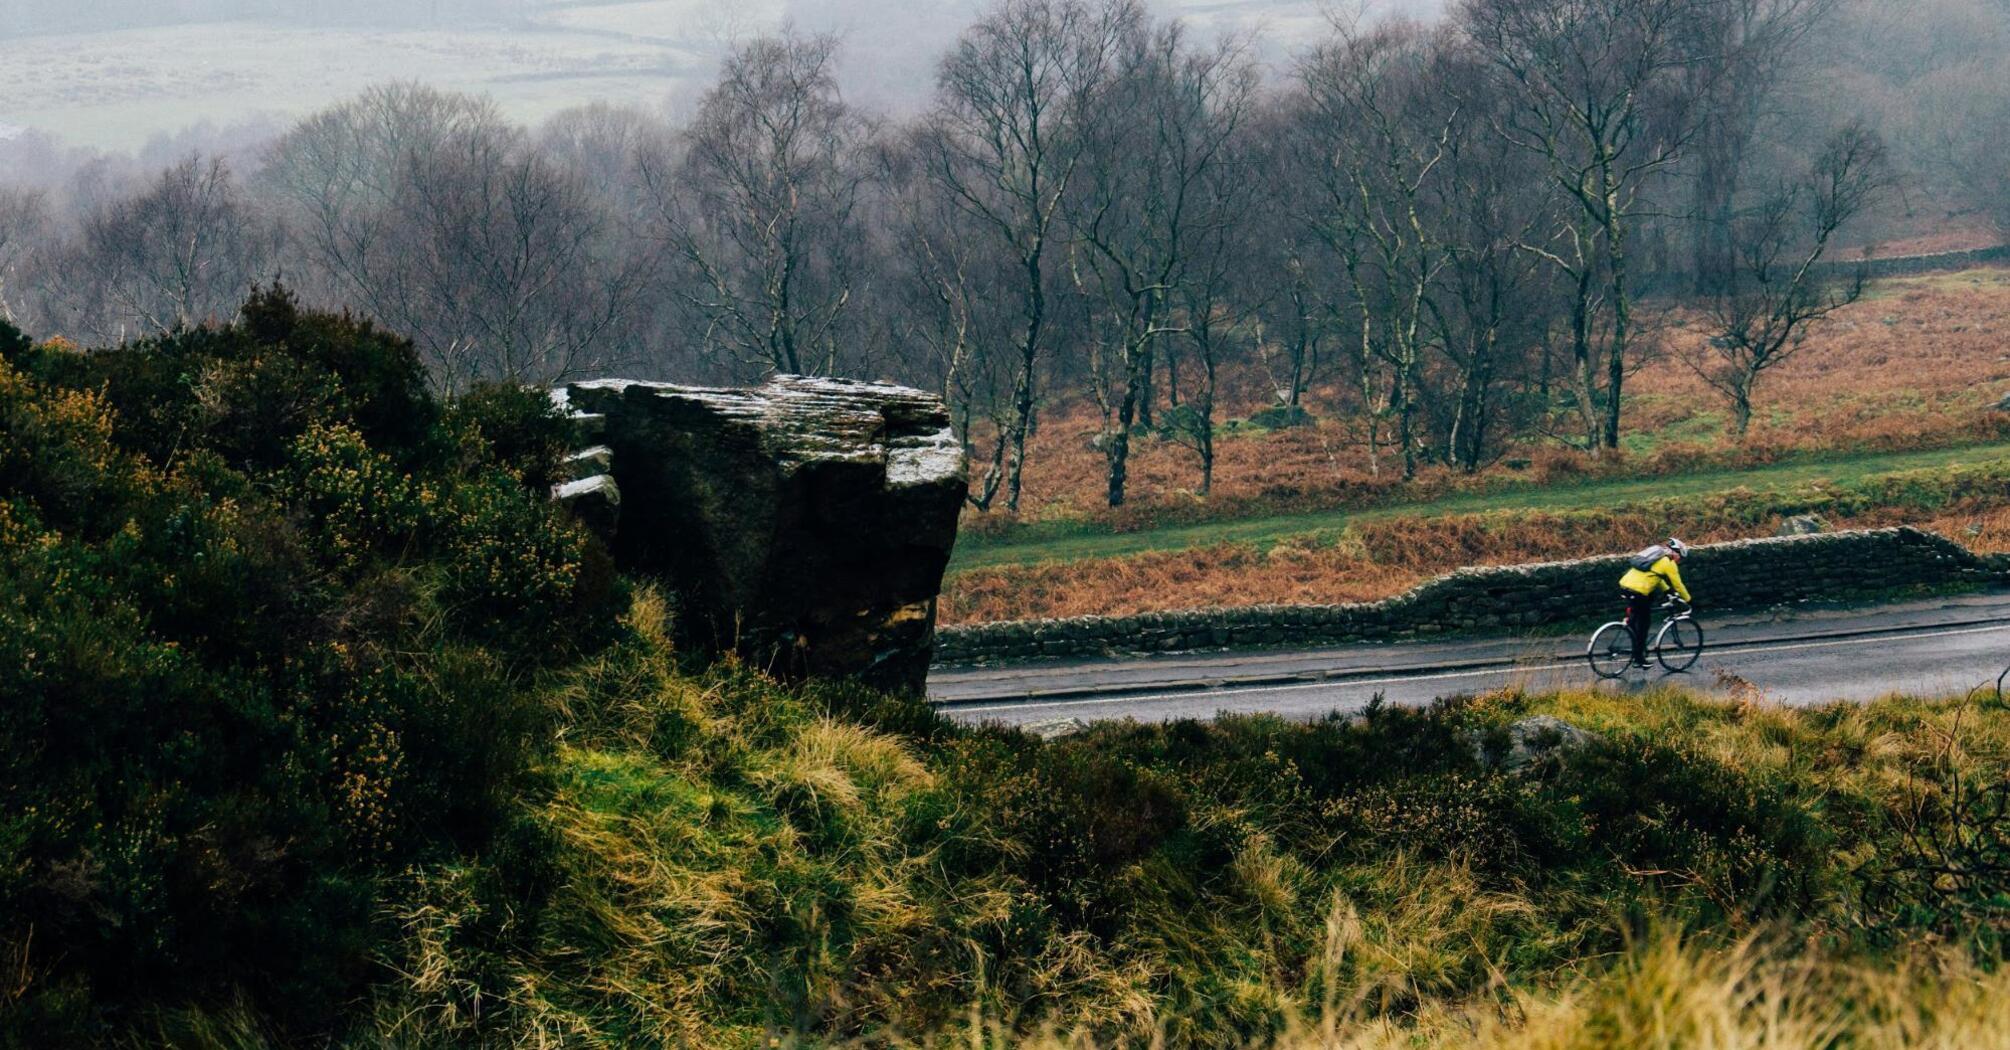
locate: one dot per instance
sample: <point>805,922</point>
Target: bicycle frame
<point>1676,612</point>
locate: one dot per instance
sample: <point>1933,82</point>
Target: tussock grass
<point>716,860</point>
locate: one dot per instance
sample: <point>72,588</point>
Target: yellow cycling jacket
<point>1663,574</point>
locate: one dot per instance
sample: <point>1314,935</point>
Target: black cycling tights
<point>1639,616</point>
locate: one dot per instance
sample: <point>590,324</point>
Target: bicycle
<point>1676,646</point>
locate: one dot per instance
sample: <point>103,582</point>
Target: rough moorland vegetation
<point>1889,419</point>
<point>268,616</point>
<point>321,726</point>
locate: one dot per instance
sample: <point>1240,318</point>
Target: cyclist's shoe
<point>1638,665</point>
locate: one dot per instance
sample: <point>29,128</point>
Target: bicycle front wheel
<point>1680,643</point>
<point>1611,650</point>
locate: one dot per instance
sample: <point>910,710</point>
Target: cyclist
<point>1655,569</point>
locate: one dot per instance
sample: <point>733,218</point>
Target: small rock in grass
<point>1803,525</point>
<point>1053,728</point>
<point>1530,740</point>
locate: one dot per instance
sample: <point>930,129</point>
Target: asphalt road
<point>1933,647</point>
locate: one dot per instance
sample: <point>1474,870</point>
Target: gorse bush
<point>519,429</point>
<point>252,585</point>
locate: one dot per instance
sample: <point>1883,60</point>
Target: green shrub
<point>269,642</point>
<point>518,427</point>
<point>1281,417</point>
<point>356,504</point>
<point>14,343</point>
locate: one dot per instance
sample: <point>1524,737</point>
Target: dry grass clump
<point>1985,529</point>
<point>1666,993</point>
<point>727,862</point>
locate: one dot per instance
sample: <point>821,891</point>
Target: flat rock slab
<point>803,524</point>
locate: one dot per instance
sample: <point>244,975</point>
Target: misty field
<point>118,89</point>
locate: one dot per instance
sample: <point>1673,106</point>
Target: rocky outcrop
<point>804,524</point>
<point>595,501</point>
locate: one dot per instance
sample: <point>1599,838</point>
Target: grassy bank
<point>1072,540</point>
<point>728,863</point>
<point>1373,555</point>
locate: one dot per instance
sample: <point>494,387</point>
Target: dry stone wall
<point>1744,575</point>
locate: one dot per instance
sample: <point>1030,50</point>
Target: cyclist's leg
<point>1640,617</point>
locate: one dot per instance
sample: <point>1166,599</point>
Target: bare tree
<point>184,250</point>
<point>1222,292</point>
<point>1956,126</point>
<point>435,217</point>
<point>520,274</point>
<point>1379,127</point>
<point>1004,146</point>
<point>1290,318</point>
<point>1777,293</point>
<point>1605,99</point>
<point>343,172</point>
<point>950,304</point>
<point>24,224</point>
<point>1747,48</point>
<point>1490,305</point>
<point>764,207</point>
<point>1159,132</point>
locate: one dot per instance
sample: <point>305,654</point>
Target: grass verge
<point>1070,540</point>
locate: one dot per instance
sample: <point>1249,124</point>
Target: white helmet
<point>1681,549</point>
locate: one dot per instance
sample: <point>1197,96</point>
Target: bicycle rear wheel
<point>1611,650</point>
<point>1680,643</point>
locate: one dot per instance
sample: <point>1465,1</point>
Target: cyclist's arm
<point>1674,577</point>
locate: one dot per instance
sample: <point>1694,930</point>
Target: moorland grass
<point>734,863</point>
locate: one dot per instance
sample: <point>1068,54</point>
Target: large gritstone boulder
<point>804,524</point>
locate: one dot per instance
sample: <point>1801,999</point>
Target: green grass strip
<point>1078,541</point>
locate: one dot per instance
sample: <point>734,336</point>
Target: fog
<point>117,74</point>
